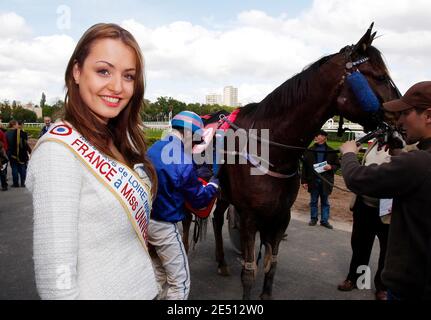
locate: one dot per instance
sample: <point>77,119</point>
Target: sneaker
<point>326,225</point>
<point>312,222</point>
<point>346,285</point>
<point>15,186</point>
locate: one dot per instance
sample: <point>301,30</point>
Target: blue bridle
<point>363,92</point>
<point>360,86</point>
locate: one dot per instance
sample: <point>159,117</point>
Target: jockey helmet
<point>188,119</point>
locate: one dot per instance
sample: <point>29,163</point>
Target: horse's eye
<point>381,78</point>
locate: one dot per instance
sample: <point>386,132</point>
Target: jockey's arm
<point>194,192</point>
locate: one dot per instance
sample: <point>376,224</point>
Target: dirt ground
<point>339,201</point>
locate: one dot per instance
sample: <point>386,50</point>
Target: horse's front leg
<point>218,220</point>
<point>249,268</point>
<point>186,229</point>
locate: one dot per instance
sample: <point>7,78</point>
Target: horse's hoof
<point>266,296</point>
<point>223,271</point>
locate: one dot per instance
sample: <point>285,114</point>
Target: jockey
<point>177,184</point>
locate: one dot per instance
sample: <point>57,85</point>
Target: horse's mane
<point>293,91</point>
<point>376,59</point>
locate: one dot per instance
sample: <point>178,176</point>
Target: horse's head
<point>366,82</point>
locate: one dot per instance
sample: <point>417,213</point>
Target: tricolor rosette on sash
<point>125,184</point>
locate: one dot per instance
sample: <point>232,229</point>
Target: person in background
<point>3,139</point>
<point>367,224</point>
<point>317,187</point>
<point>407,180</point>
<point>45,128</point>
<point>3,167</point>
<point>4,160</point>
<point>18,152</point>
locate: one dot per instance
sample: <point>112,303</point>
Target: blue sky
<point>42,15</point>
<point>194,48</point>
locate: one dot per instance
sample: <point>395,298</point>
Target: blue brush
<point>365,95</point>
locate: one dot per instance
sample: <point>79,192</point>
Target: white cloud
<point>13,26</point>
<point>256,53</point>
<point>263,51</point>
<point>30,66</point>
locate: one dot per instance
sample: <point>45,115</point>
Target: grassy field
<point>335,144</point>
<point>152,135</point>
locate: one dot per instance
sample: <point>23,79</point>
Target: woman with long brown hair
<point>91,181</point>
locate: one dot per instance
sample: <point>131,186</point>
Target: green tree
<point>43,100</point>
<point>159,110</point>
<point>5,111</point>
<point>195,107</point>
<point>55,111</point>
<point>19,113</point>
<point>58,109</point>
<point>59,104</point>
<point>206,108</point>
<point>46,111</point>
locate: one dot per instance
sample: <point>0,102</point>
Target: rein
<point>199,230</point>
<point>223,118</point>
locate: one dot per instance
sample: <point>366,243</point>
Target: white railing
<point>154,125</point>
<point>150,124</point>
<point>26,124</point>
<point>331,124</point>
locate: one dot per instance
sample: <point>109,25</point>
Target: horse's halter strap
<point>350,65</point>
<point>348,50</point>
<point>360,86</point>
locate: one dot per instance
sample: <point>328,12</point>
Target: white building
<point>213,98</point>
<point>230,96</point>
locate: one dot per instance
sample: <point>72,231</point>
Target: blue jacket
<point>177,181</point>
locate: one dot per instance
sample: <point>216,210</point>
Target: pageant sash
<point>133,195</point>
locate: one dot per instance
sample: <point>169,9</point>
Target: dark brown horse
<point>293,112</point>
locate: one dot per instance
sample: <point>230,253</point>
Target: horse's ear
<point>366,40</point>
<point>371,39</point>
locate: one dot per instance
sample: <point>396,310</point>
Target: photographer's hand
<point>349,146</point>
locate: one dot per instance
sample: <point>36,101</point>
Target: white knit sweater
<point>84,245</point>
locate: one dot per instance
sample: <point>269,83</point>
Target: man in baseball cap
<point>413,111</point>
<point>406,179</point>
<point>418,96</point>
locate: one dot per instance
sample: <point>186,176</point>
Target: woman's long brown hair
<point>125,130</point>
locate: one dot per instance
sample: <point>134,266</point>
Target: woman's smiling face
<point>107,77</point>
